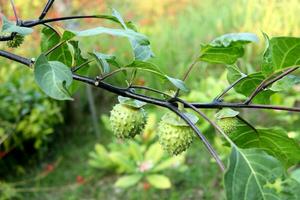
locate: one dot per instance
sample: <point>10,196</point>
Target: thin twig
<point>246,122</point>
<point>186,75</point>
<point>15,10</point>
<point>46,9</point>
<point>266,83</point>
<point>150,89</point>
<point>229,88</point>
<point>76,68</point>
<point>203,116</point>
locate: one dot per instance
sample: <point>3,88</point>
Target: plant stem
<point>229,88</point>
<point>186,75</point>
<point>14,9</point>
<point>46,9</point>
<point>266,83</point>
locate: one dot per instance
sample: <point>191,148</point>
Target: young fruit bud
<point>16,42</point>
<point>228,124</point>
<point>174,138</point>
<point>127,121</point>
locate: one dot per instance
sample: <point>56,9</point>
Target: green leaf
<point>103,60</point>
<point>249,84</point>
<point>53,77</point>
<point>154,153</point>
<point>296,175</point>
<point>159,181</point>
<point>169,163</point>
<point>281,53</point>
<point>128,181</point>
<point>11,27</point>
<point>226,49</point>
<point>175,120</point>
<point>285,83</point>
<point>248,172</point>
<point>140,38</point>
<point>131,102</point>
<point>135,151</point>
<point>141,52</point>
<point>177,83</point>
<point>124,163</point>
<point>228,39</point>
<point>62,53</point>
<point>226,112</point>
<point>234,73</point>
<point>273,141</point>
<point>49,39</point>
<point>146,66</point>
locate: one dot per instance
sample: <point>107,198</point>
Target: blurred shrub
<point>25,112</point>
<point>139,161</point>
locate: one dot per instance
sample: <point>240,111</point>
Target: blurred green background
<point>48,144</point>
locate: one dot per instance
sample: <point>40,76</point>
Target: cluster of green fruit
<point>16,41</point>
<point>128,119</point>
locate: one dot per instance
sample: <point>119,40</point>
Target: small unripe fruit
<point>228,124</point>
<point>16,42</point>
<point>127,121</point>
<point>173,138</point>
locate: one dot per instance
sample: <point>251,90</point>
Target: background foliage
<point>176,29</point>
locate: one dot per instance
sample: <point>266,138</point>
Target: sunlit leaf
<point>159,181</point>
<point>226,49</point>
<point>281,53</point>
<point>140,38</point>
<point>128,181</point>
<point>141,52</point>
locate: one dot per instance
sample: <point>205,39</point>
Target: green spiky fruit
<point>173,138</point>
<point>228,124</point>
<point>127,121</point>
<point>16,42</point>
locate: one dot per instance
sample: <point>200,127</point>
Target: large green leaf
<point>11,27</point>
<point>281,53</point>
<point>141,52</point>
<point>128,181</point>
<point>62,53</point>
<point>249,84</point>
<point>248,172</point>
<point>159,181</point>
<point>53,77</point>
<point>273,141</point>
<point>226,49</point>
<point>140,38</point>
